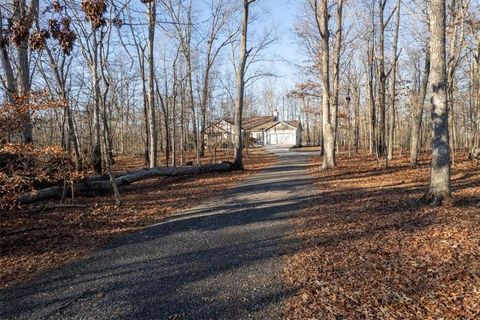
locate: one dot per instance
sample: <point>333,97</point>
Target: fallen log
<point>98,183</point>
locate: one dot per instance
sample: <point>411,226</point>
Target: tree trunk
<point>371,97</point>
<point>8,75</point>
<point>475,113</point>
<point>440,167</point>
<point>204,103</point>
<point>381,150</point>
<point>23,71</point>
<point>393,93</point>
<point>336,68</point>
<point>328,129</point>
<point>152,124</point>
<point>238,139</point>
<point>356,105</point>
<point>192,108</point>
<point>96,146</point>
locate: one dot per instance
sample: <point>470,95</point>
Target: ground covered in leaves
<point>373,252</point>
<point>36,240</point>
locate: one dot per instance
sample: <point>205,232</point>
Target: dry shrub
<point>24,107</point>
<point>18,30</point>
<point>38,40</point>
<point>23,168</point>
<point>60,30</point>
<point>57,6</point>
<point>94,10</point>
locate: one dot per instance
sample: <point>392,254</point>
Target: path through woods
<point>220,260</point>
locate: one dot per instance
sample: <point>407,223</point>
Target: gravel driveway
<point>220,260</point>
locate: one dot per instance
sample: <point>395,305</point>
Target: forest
<point>356,124</point>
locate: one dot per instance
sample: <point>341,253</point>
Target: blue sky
<point>281,15</point>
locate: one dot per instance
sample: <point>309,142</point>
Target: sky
<point>281,15</point>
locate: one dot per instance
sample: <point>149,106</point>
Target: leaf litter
<point>372,251</point>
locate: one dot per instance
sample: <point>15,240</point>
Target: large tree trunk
<point>8,76</point>
<point>19,82</point>
<point>440,167</point>
<point>327,127</point>
<point>336,68</point>
<point>382,79</point>
<point>238,139</point>
<point>418,114</point>
<point>152,124</point>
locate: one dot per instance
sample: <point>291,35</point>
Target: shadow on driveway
<point>220,260</point>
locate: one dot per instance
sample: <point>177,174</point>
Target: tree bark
<point>152,124</point>
<point>336,68</point>
<point>381,147</point>
<point>327,127</point>
<point>238,138</point>
<point>393,92</point>
<point>440,167</point>
<point>356,105</point>
<point>371,95</point>
<point>8,76</point>
<point>96,146</point>
<point>23,70</point>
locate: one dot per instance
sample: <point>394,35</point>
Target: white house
<point>284,133</point>
<point>266,130</point>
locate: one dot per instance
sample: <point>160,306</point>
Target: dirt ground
<point>33,241</point>
<point>372,251</point>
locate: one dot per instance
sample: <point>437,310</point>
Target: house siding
<point>268,131</point>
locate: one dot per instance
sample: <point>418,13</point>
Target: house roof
<point>255,123</point>
<point>261,123</point>
<point>293,123</point>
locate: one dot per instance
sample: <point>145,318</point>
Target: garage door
<point>282,139</point>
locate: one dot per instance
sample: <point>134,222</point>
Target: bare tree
<point>393,88</point>
<point>336,67</point>
<point>238,163</point>
<point>322,16</point>
<point>382,79</point>
<point>220,13</point>
<point>440,167</point>
<point>182,15</point>
<point>152,123</point>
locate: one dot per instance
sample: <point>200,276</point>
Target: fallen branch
<point>96,184</point>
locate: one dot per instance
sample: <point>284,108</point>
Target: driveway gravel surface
<point>219,260</point>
